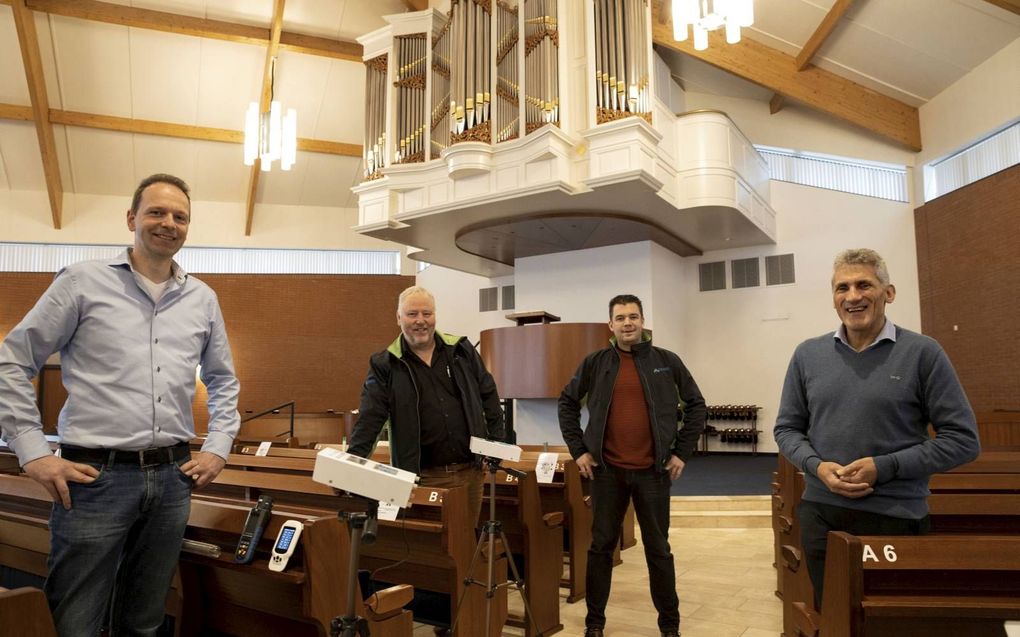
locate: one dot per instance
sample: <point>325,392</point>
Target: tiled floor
<point>725,580</point>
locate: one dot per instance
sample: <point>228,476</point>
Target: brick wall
<point>968,254</point>
<point>294,337</point>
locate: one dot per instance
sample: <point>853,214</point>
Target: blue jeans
<point>612,490</point>
<point>117,549</point>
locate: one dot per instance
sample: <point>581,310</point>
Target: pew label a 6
<point>888,552</point>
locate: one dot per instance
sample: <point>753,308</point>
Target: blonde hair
<point>412,291</point>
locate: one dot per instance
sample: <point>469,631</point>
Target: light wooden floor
<point>725,580</point>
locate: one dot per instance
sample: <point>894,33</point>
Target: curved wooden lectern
<point>537,361</point>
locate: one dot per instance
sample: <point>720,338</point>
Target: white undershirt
<point>156,290</point>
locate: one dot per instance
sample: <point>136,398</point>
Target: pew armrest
<point>806,620</point>
<point>553,519</point>
<point>792,556</point>
<point>389,601</point>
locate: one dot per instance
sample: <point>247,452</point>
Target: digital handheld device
<point>286,541</point>
<point>253,528</point>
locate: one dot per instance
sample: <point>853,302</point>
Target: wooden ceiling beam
<point>168,129</point>
<point>776,104</point>
<point>1012,6</point>
<point>15,112</point>
<point>822,33</point>
<point>199,27</point>
<point>813,87</point>
<point>276,28</point>
<point>24,23</point>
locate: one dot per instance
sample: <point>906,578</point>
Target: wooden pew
<point>221,596</point>
<point>981,498</point>
<point>535,535</point>
<point>241,598</point>
<point>936,586</point>
<point>433,540</point>
<point>25,613</point>
<point>568,493</point>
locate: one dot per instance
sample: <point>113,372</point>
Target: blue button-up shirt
<point>128,364</point>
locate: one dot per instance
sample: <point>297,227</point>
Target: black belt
<point>143,457</point>
<point>450,468</point>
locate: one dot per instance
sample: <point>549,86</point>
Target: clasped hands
<point>854,480</point>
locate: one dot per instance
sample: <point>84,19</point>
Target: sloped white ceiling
<point>908,49</point>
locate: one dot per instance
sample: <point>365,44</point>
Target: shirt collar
<point>177,273</point>
<point>888,333</point>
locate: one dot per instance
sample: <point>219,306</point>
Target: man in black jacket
<point>434,392</point>
<point>645,413</point>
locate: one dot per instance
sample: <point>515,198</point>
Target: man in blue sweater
<point>854,417</point>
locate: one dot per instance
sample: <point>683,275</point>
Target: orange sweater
<point>628,438</point>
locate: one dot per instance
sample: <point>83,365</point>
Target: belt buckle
<point>150,457</point>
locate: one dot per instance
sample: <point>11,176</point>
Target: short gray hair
<point>863,256</point>
<point>412,291</point>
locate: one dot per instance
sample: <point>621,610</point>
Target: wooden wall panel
<point>537,361</point>
<point>294,337</point>
<point>968,253</point>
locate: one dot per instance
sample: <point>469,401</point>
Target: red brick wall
<point>968,258</point>
<point>294,337</point>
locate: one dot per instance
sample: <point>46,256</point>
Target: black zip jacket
<point>389,397</point>
<point>668,387</point>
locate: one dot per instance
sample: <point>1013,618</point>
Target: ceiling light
<point>270,136</point>
<point>708,15</point>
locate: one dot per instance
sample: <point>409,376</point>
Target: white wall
<point>980,102</point>
<point>739,342</point>
<point>100,219</point>
<point>983,100</point>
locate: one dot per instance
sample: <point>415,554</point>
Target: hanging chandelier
<point>270,136</point>
<point>708,15</point>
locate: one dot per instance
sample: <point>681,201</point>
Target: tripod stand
<point>363,527</point>
<point>490,531</point>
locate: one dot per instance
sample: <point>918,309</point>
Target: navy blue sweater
<point>839,405</point>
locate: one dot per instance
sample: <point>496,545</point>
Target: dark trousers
<point>817,519</point>
<point>612,490</point>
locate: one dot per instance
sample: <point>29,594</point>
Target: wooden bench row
<point>941,581</point>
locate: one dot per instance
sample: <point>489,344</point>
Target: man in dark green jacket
<point>434,393</point>
<point>635,444</point>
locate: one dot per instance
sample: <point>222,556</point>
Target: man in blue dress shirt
<point>131,332</point>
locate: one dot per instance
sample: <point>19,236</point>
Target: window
<point>712,275</point>
<point>508,297</point>
<point>744,273</point>
<point>488,299</point>
<point>37,257</point>
<point>871,179</point>
<point>986,157</point>
<point>779,269</point>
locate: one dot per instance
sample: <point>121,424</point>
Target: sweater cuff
<point>887,467</point>
<point>811,465</point>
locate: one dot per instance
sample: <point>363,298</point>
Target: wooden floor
<point>725,581</point>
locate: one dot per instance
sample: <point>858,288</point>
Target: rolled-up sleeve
<point>45,329</point>
<point>221,382</point>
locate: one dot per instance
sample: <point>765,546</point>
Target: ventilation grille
<point>712,275</point>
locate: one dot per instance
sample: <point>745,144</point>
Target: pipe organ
<point>375,117</point>
<point>475,72</point>
<point>622,85</point>
<point>503,129</point>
